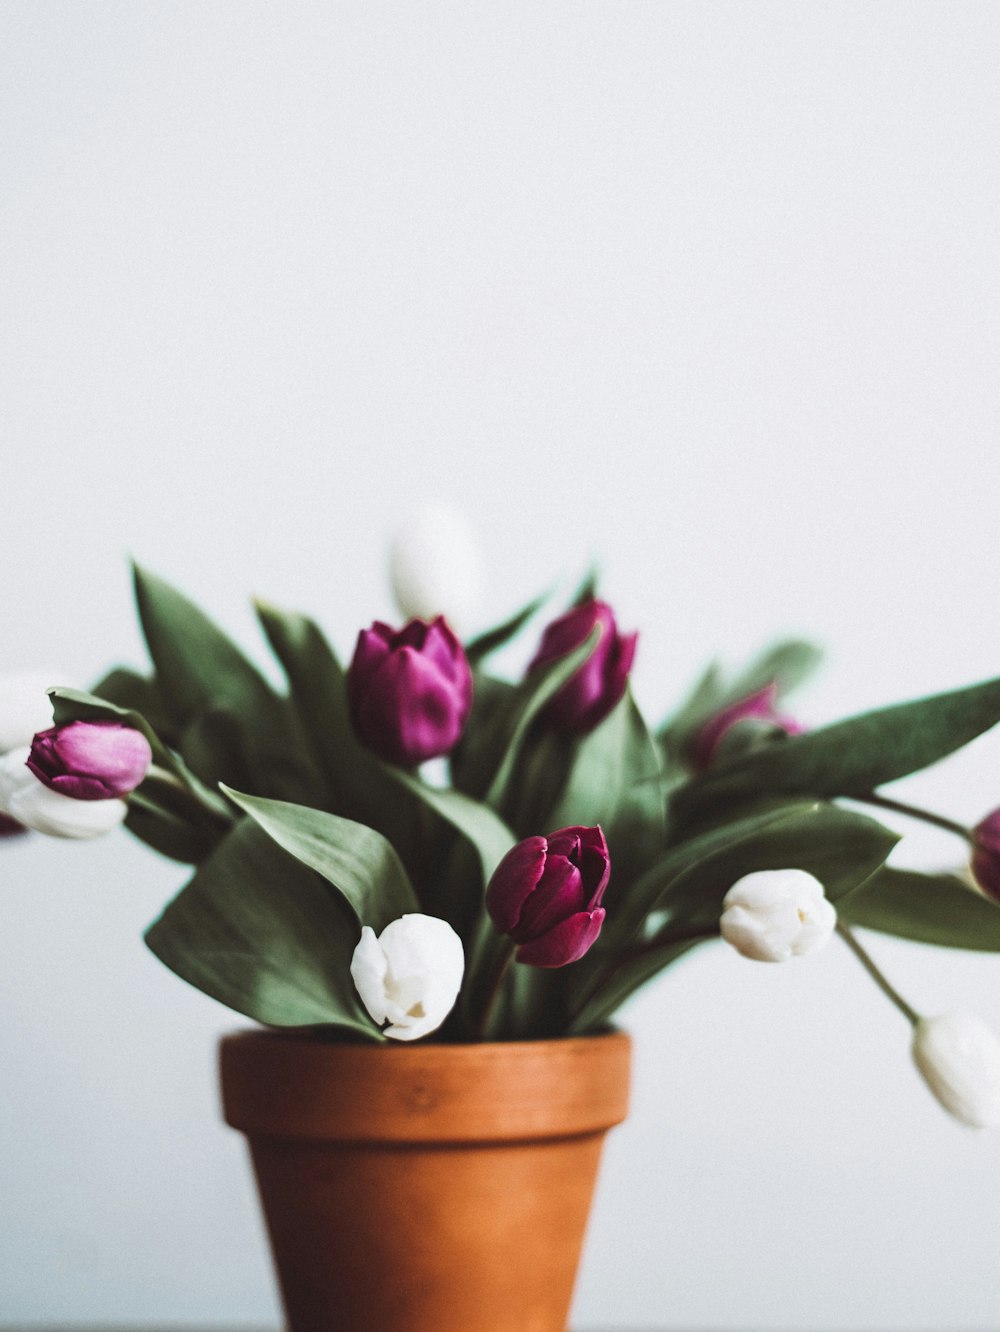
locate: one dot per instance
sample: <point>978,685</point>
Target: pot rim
<point>286,1083</point>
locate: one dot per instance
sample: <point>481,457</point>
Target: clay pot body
<point>425,1188</point>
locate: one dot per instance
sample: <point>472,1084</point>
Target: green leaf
<point>930,908</point>
<point>358,861</point>
<point>487,832</point>
<point>528,700</point>
<point>614,781</point>
<point>258,931</point>
<point>479,648</point>
<point>785,664</point>
<point>136,693</point>
<point>854,757</point>
<point>360,786</point>
<point>230,723</point>
<point>623,981</point>
<point>198,668</point>
<point>838,846</point>
<point>166,830</point>
<point>73,705</point>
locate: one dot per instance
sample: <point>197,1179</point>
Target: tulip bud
<point>25,707</point>
<point>409,975</point>
<point>986,855</point>
<point>435,565</point>
<point>959,1058</point>
<point>91,760</point>
<point>31,803</point>
<point>773,915</point>
<point>755,707</point>
<point>594,689</point>
<point>546,895</point>
<point>409,691</point>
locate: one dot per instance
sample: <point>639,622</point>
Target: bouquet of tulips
<point>413,846</point>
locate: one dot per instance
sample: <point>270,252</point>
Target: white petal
<point>368,968</point>
<point>959,1057</point>
<point>410,975</point>
<point>435,565</point>
<point>773,915</point>
<point>37,806</point>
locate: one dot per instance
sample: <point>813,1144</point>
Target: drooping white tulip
<point>435,565</point>
<point>30,802</point>
<point>959,1058</point>
<point>772,915</point>
<point>25,707</point>
<point>409,975</point>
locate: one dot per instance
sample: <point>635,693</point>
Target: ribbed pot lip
<point>278,1084</point>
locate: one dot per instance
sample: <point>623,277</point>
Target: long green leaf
<point>358,861</point>
<point>937,909</point>
<point>854,757</point>
<point>614,781</point>
<point>487,832</point>
<point>260,932</point>
<point>231,724</point>
<point>479,648</point>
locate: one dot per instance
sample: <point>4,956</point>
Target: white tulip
<point>435,565</point>
<point>25,707</point>
<point>37,806</point>
<point>409,975</point>
<point>773,915</point>
<point>959,1058</point>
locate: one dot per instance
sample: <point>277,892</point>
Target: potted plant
<point>433,887</point>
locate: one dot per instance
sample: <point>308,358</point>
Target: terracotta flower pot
<point>425,1188</point>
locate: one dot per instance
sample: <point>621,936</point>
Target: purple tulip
<point>592,691</point>
<point>986,855</point>
<point>409,690</point>
<point>757,707</point>
<point>98,760</point>
<point>546,894</point>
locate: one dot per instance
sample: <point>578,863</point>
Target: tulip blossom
<point>90,760</point>
<point>986,855</point>
<point>34,805</point>
<point>759,706</point>
<point>772,915</point>
<point>594,689</point>
<point>25,707</point>
<point>409,975</point>
<point>435,565</point>
<point>959,1058</point>
<point>409,690</point>
<point>546,895</point>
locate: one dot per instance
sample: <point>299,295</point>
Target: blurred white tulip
<point>436,566</point>
<point>959,1058</point>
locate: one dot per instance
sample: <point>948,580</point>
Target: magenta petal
<point>514,880</point>
<point>90,760</point>
<point>559,894</point>
<point>597,686</point>
<point>757,705</point>
<point>566,942</point>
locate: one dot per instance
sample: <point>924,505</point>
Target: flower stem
<point>847,935</point>
<point>915,812</point>
<point>494,984</point>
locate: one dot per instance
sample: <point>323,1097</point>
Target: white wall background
<point>710,289</point>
